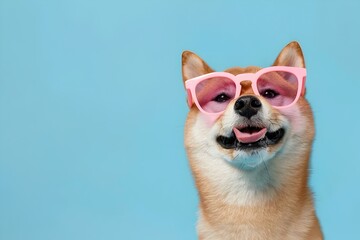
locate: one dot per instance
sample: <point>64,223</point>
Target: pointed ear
<point>193,66</point>
<point>291,56</point>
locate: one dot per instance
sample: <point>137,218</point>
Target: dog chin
<point>252,160</point>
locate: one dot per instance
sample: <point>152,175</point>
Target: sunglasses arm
<point>303,88</point>
<point>189,98</point>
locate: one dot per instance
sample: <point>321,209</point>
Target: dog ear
<point>291,56</point>
<point>193,66</point>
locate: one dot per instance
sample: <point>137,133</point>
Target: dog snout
<point>247,106</point>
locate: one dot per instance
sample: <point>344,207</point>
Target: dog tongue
<point>249,137</point>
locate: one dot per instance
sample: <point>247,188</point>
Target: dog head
<point>250,132</point>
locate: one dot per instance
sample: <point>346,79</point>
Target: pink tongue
<point>249,137</point>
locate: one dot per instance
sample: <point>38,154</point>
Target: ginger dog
<point>248,138</point>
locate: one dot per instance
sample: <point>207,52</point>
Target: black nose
<point>247,106</point>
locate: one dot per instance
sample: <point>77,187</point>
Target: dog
<point>248,138</point>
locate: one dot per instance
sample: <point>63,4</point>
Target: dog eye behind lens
<point>221,98</point>
<point>269,93</point>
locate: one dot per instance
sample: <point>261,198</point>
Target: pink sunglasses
<point>281,86</point>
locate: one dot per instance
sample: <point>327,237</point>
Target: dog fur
<point>270,199</point>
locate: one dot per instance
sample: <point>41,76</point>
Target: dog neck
<point>219,181</point>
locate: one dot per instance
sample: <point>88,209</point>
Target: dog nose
<point>247,106</point>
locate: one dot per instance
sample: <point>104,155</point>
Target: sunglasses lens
<point>214,94</point>
<point>279,87</point>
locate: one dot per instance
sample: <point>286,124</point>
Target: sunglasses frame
<point>191,84</point>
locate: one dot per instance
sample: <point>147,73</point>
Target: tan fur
<point>232,204</point>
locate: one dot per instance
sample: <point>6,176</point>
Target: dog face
<point>250,133</point>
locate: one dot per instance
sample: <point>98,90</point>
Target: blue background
<point>92,109</point>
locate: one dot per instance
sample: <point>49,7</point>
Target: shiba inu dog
<point>248,137</point>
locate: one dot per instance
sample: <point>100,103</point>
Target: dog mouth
<point>250,137</point>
